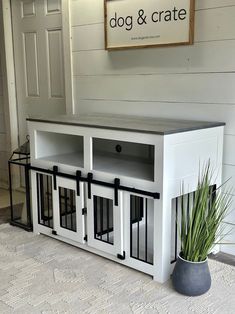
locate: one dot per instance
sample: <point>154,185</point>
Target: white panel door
<point>105,220</point>
<point>38,52</point>
<point>67,210</point>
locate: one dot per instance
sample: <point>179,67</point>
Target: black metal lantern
<point>19,181</point>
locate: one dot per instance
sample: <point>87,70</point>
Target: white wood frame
<point>80,224</point>
<point>10,67</point>
<point>10,74</point>
<point>88,134</point>
<point>134,262</point>
<point>67,47</point>
<point>117,247</point>
<point>171,151</point>
<point>38,228</point>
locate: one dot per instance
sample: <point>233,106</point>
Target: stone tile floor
<point>5,215</point>
<point>5,212</point>
<point>41,275</point>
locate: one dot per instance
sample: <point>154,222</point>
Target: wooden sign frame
<point>190,40</point>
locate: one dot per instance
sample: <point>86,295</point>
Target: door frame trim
<point>67,49</point>
<point>10,75</point>
<point>10,67</point>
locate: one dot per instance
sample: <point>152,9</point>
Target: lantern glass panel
<point>20,189</point>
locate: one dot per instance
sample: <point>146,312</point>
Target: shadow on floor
<point>223,258</point>
<point>5,215</point>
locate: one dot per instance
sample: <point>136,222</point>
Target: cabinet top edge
<point>159,126</point>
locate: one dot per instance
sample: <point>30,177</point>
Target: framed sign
<point>148,23</point>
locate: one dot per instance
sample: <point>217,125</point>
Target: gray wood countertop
<point>150,125</point>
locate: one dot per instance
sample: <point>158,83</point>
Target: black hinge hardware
<point>55,171</point>
<point>84,211</point>
<point>156,196</point>
<point>78,177</point>
<point>85,238</point>
<point>54,232</point>
<point>89,179</point>
<point>123,256</point>
<point>116,187</point>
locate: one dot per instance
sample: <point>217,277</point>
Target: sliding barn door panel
<point>68,210</point>
<point>105,220</point>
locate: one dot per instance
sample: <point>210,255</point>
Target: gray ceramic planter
<point>191,278</point>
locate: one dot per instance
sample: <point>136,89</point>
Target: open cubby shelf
<point>73,159</point>
<point>125,167</point>
<point>119,158</point>
<point>124,158</point>
<point>66,149</point>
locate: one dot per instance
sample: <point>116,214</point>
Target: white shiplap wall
<point>3,136</point>
<point>191,82</point>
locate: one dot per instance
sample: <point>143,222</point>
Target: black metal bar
<point>99,229</point>
<point>20,153</point>
<point>55,173</point>
<point>95,216</point>
<point>42,219</point>
<point>60,205</point>
<point>176,227</point>
<point>146,230</point>
<point>69,212</point>
<point>138,227</point>
<point>89,181</point>
<point>104,232</point>
<point>131,225</point>
<point>50,202</point>
<point>21,225</point>
<point>213,194</point>
<point>101,218</point>
<point>136,206</point>
<point>134,211</point>
<point>182,209</point>
<point>116,188</point>
<point>27,186</point>
<point>48,205</point>
<point>42,198</point>
<point>38,198</point>
<point>78,178</point>
<point>66,207</point>
<point>10,184</point>
<point>142,260</point>
<point>154,195</point>
<point>71,209</point>
<point>104,241</point>
<point>12,161</point>
<point>107,206</point>
<point>142,192</point>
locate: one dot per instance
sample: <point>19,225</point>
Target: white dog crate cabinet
<point>110,184</point>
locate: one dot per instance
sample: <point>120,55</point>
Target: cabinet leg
<point>162,240</point>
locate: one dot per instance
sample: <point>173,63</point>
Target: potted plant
<point>200,230</point>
